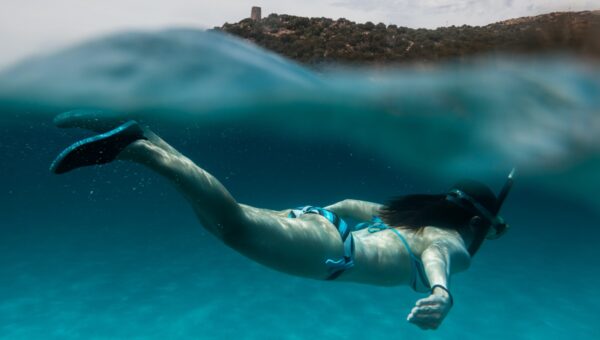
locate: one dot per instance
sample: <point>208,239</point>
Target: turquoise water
<point>114,251</point>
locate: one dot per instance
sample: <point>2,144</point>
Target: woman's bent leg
<point>295,246</point>
<point>216,208</point>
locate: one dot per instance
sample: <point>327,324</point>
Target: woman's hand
<point>429,312</point>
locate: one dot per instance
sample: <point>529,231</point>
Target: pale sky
<point>38,26</point>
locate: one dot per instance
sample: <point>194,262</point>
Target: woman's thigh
<point>297,246</point>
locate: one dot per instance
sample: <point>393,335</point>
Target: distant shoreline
<point>318,41</point>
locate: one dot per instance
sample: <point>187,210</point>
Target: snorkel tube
<point>505,190</point>
<point>500,227</point>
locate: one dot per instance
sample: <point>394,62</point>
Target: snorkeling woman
<point>414,240</point>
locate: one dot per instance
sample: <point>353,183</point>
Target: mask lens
<point>497,231</point>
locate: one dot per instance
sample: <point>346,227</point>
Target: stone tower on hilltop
<point>255,14</point>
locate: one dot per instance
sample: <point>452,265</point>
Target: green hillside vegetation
<point>317,41</point>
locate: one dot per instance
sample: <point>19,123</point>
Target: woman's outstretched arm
<point>441,258</point>
<point>355,209</point>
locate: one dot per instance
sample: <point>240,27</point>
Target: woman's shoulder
<point>449,239</point>
<point>435,234</point>
<point>452,243</point>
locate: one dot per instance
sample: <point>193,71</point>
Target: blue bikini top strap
<point>417,269</point>
<point>378,225</point>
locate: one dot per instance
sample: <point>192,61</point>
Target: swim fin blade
<point>99,149</point>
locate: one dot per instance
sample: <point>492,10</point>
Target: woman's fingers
<point>425,314</point>
<point>420,309</point>
<point>430,300</point>
<point>421,315</point>
<point>420,312</point>
<point>425,322</point>
<point>423,309</point>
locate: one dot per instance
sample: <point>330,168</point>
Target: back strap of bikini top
<point>419,280</point>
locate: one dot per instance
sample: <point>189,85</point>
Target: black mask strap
<point>479,237</point>
<point>466,202</point>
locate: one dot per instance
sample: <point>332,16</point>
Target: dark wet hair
<point>415,212</point>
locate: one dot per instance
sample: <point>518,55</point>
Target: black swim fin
<point>99,149</point>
